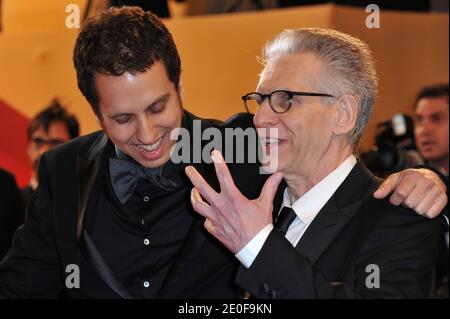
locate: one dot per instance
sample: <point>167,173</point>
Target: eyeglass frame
<point>40,142</point>
<point>290,94</point>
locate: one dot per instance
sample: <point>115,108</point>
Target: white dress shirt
<point>306,207</point>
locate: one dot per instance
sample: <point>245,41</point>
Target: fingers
<point>218,233</point>
<point>387,186</point>
<point>417,189</point>
<point>222,171</point>
<point>419,204</point>
<point>426,173</point>
<point>402,190</point>
<point>200,184</point>
<point>270,188</point>
<point>419,192</point>
<point>437,207</point>
<point>200,206</point>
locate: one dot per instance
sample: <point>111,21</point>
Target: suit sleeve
<point>401,244</point>
<point>31,268</point>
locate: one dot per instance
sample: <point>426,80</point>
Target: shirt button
<point>146,284</point>
<point>146,198</point>
<point>146,242</point>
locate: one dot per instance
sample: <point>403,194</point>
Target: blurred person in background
<point>431,134</point>
<point>431,126</point>
<point>49,128</point>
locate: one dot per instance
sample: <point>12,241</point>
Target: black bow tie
<point>125,175</point>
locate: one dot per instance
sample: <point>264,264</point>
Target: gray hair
<point>350,66</point>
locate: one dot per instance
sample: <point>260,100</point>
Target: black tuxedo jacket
<point>53,235</point>
<point>338,254</point>
<point>10,217</point>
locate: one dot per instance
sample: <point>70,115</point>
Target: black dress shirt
<point>140,239</point>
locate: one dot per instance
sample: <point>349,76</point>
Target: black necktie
<point>284,219</point>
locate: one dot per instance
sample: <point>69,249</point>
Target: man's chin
<point>270,166</point>
<point>429,155</point>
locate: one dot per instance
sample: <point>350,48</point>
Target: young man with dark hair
<point>431,125</point>
<point>112,204</point>
<point>49,128</point>
<point>431,135</point>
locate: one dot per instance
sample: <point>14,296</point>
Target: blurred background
<point>219,42</point>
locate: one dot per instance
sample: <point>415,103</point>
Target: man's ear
<point>181,89</point>
<point>347,111</point>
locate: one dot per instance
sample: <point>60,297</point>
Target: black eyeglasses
<point>280,101</point>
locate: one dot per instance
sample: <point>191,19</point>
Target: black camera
<point>394,148</point>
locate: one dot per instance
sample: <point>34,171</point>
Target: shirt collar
<point>309,205</point>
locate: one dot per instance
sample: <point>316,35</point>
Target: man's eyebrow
<point>429,114</point>
<point>162,99</point>
<point>437,113</point>
<point>119,114</point>
<point>260,89</point>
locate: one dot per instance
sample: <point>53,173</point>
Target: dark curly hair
<point>121,40</point>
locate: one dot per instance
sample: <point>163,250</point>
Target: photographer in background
<point>431,133</point>
<point>402,143</point>
<point>394,148</point>
<point>431,126</point>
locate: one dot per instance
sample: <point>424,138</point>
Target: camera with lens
<point>394,148</point>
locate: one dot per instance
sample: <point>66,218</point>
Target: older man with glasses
<point>331,238</point>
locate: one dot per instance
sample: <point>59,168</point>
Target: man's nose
<point>424,128</point>
<point>146,131</point>
<point>265,116</point>
<point>44,148</point>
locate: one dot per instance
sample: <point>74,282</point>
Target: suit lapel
<point>336,213</point>
<point>87,168</point>
<point>324,228</point>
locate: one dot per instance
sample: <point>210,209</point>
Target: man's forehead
<point>39,132</point>
<point>56,127</point>
<point>432,105</point>
<point>289,70</point>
